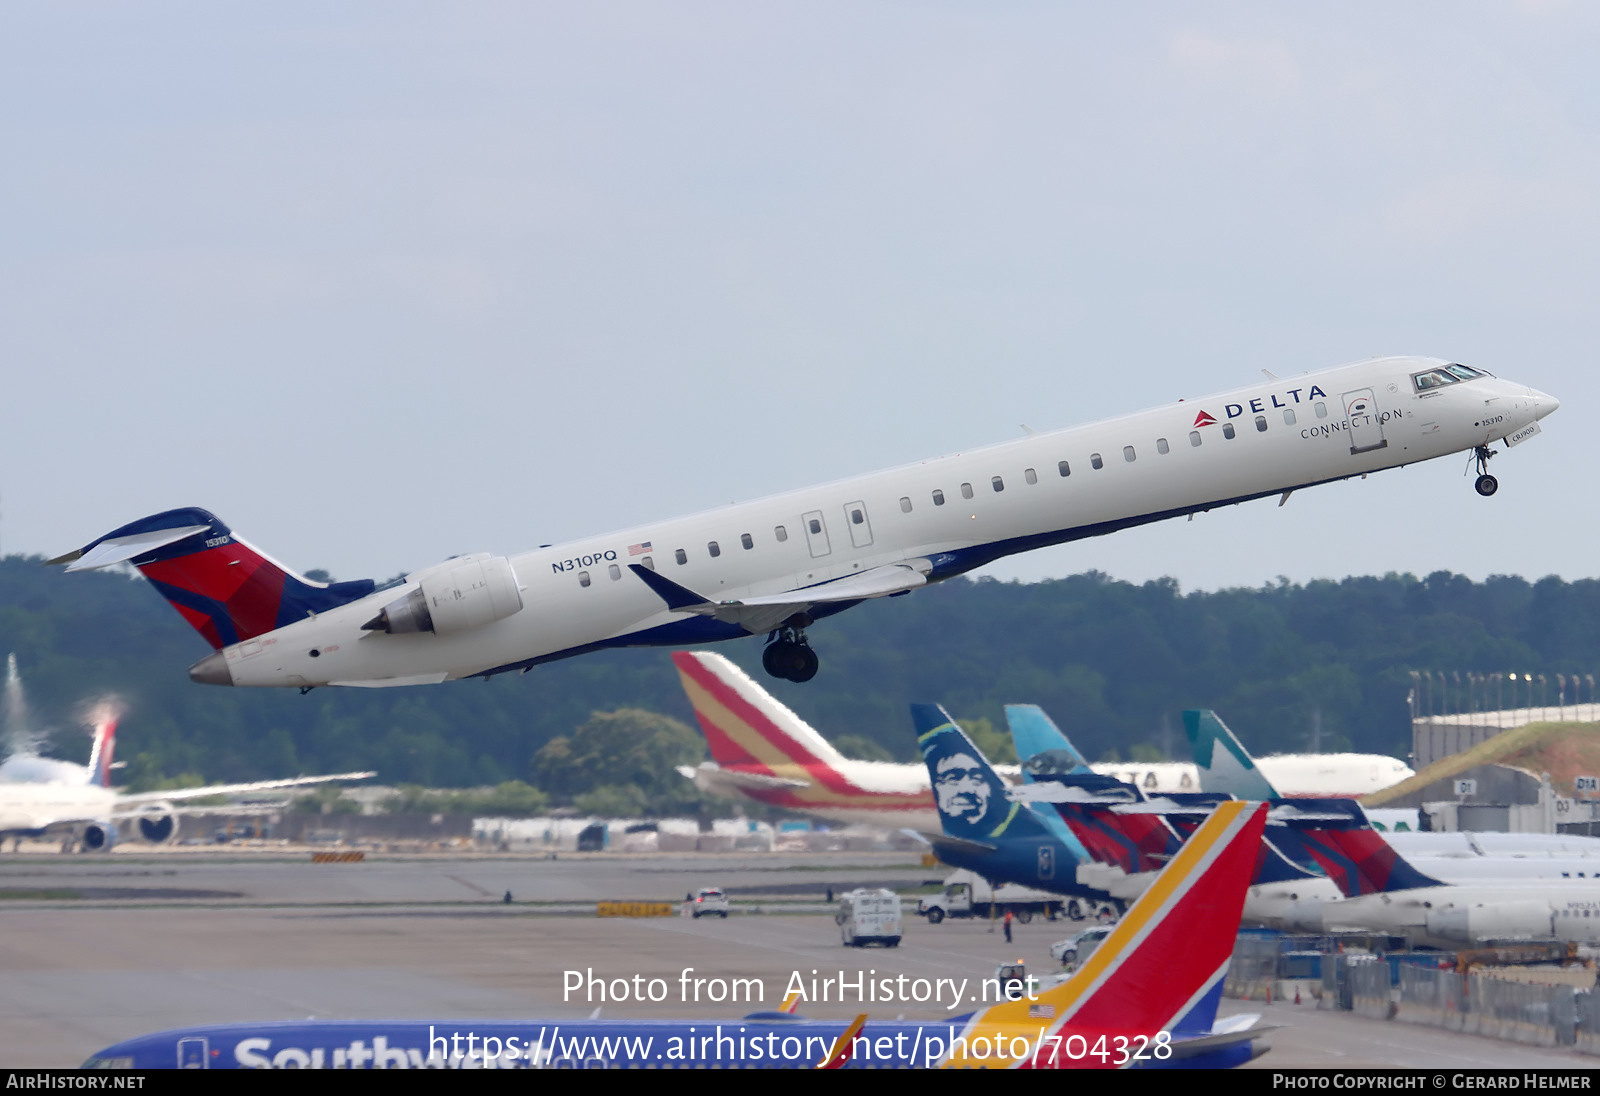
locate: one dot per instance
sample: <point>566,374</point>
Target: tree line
<point>1291,667</point>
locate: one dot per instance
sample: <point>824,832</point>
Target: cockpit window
<point>1453,373</point>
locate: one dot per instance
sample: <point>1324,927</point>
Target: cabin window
<point>747,541</point>
<point>1194,438</point>
<point>1227,430</point>
<point>583,578</point>
<point>1261,424</point>
<point>781,533</point>
<point>1128,454</point>
<point>997,483</point>
<point>938,498</point>
<point>681,556</point>
<point>857,517</point>
<point>1322,410</point>
<point>615,572</point>
<point>1096,462</point>
<point>966,490</point>
<point>1064,468</point>
<point>815,525</point>
<point>714,548</point>
<point>1162,447</point>
<point>1031,476</point>
<point>905,505</point>
<point>648,563</point>
<point>1288,416</point>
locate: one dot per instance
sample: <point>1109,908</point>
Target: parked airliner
<point>79,801</point>
<point>777,564</point>
<point>762,750</point>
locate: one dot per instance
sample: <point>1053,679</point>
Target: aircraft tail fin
<point>1350,852</point>
<point>1162,967</point>
<point>105,744</point>
<point>225,588</point>
<point>1224,764</point>
<point>1040,744</point>
<point>969,794</point>
<point>743,723</point>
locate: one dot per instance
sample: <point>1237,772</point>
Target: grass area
<point>1530,747</point>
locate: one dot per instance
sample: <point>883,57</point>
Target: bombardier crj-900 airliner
<point>777,564</point>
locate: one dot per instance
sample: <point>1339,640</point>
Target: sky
<point>383,283</point>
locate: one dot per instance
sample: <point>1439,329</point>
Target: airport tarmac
<point>431,937</point>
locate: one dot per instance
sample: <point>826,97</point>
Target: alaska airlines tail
<point>969,794</point>
<point>1225,765</point>
<point>226,589</point>
<point>105,743</point>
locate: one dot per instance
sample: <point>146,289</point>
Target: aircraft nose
<point>211,670</point>
<point>1542,404</point>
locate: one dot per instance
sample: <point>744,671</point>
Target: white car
<point>709,900</point>
<point>1080,945</point>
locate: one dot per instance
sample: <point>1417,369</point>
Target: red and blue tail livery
<point>1146,998</point>
<point>227,589</point>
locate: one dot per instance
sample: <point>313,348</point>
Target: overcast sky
<point>382,283</point>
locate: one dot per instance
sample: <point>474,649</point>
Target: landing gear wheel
<point>806,665</point>
<point>788,655</point>
<point>1486,485</point>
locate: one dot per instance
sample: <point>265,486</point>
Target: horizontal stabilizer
<point>121,549</point>
<point>941,841</point>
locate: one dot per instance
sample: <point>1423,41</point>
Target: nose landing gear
<point>788,655</point>
<point>1486,484</point>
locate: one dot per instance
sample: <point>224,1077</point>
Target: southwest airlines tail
<point>1161,969</point>
<point>105,743</point>
<point>1224,764</point>
<point>221,585</point>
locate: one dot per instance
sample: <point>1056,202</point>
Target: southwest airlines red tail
<point>221,585</point>
<point>1160,971</point>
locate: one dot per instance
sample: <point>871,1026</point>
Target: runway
<point>432,937</point>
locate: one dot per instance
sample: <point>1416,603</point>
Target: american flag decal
<point>639,549</point>
<point>1041,1012</point>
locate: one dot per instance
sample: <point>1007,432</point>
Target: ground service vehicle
<point>869,917</point>
<point>967,894</point>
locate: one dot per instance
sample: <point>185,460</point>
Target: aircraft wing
<point>766,612</point>
<point>172,795</point>
<point>1050,792</point>
<point>956,844</point>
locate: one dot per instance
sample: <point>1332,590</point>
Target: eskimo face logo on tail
<point>970,797</point>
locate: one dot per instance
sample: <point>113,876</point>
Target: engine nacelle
<point>453,597</point>
<point>1524,920</point>
<point>157,823</point>
<point>99,836</point>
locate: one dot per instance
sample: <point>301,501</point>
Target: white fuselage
<point>952,514</point>
<point>36,807</point>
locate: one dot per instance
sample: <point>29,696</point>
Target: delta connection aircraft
<point>1147,997</point>
<point>777,564</point>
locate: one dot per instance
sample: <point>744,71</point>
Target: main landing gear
<point>788,655</point>
<point>1486,484</point>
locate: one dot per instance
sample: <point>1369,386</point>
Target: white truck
<point>869,917</point>
<point>967,894</point>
